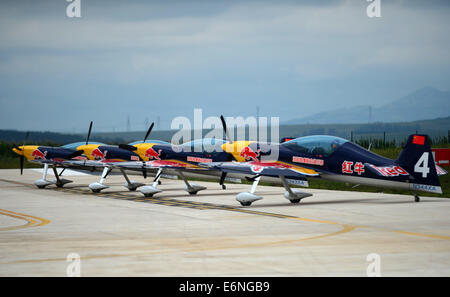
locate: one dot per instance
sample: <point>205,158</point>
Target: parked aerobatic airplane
<point>49,156</point>
<point>337,159</point>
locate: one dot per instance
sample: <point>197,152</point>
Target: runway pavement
<point>121,233</point>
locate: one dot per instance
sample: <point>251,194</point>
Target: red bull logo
<point>152,154</point>
<point>257,168</point>
<point>38,155</point>
<point>98,155</point>
<point>248,154</point>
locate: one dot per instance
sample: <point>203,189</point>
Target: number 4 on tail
<point>422,165</point>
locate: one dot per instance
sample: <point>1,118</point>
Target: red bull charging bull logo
<point>38,155</point>
<point>248,154</point>
<point>257,168</point>
<point>152,154</point>
<point>98,155</point>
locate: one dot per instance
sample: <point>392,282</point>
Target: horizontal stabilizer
<point>440,171</point>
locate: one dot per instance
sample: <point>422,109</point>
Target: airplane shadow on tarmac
<point>379,201</point>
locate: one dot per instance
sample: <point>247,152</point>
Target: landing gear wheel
<point>96,191</point>
<point>295,200</point>
<point>246,203</point>
<point>193,193</point>
<point>224,187</point>
<point>159,182</point>
<point>132,189</point>
<point>148,195</point>
<point>416,198</point>
<point>41,187</point>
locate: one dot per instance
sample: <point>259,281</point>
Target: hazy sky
<point>164,58</point>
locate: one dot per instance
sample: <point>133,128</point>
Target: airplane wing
<point>59,163</point>
<point>133,165</point>
<point>85,163</point>
<point>86,166</point>
<point>156,164</point>
<point>273,169</point>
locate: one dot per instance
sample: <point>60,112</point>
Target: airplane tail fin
<point>417,158</point>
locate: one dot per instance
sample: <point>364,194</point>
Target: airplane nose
<point>234,147</point>
<point>83,149</point>
<point>229,147</point>
<point>18,150</point>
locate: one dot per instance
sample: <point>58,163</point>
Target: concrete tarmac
<point>121,233</point>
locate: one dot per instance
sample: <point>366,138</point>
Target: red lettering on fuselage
<point>359,168</point>
<point>390,170</point>
<point>309,161</point>
<point>347,167</point>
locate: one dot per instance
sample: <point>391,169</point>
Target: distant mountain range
<point>425,103</point>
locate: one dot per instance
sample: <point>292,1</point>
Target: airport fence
<point>392,140</point>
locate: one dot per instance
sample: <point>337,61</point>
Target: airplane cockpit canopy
<point>73,146</point>
<point>149,141</point>
<point>323,145</point>
<point>205,144</point>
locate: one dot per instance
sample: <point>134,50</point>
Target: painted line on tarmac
<point>422,235</point>
<point>200,246</point>
<point>32,221</point>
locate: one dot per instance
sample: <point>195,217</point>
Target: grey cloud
<point>285,56</point>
